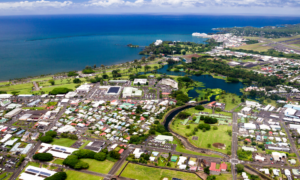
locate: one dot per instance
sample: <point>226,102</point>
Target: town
<point>140,119</point>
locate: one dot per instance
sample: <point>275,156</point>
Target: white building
<point>253,104</point>
<point>66,128</point>
<point>162,138</point>
<point>13,113</point>
<point>131,92</point>
<point>246,110</point>
<point>5,96</point>
<point>158,42</point>
<point>83,88</point>
<point>57,151</point>
<point>249,126</point>
<point>35,173</point>
<point>170,82</point>
<point>137,152</point>
<point>141,81</point>
<point>71,94</point>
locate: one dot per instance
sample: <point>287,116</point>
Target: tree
<point>72,73</point>
<point>114,154</point>
<point>208,145</point>
<point>51,133</point>
<point>43,157</point>
<point>206,170</point>
<point>57,176</point>
<point>71,161</point>
<point>46,139</point>
<point>239,168</point>
<point>211,178</point>
<point>51,81</point>
<point>76,81</point>
<point>15,93</point>
<point>199,107</point>
<point>101,156</point>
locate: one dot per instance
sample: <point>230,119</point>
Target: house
<point>276,172</point>
<point>246,110</point>
<point>163,138</point>
<point>137,152</point>
<point>140,81</point>
<point>83,88</point>
<point>223,166</point>
<point>249,126</point>
<point>213,167</point>
<point>292,161</point>
<point>278,156</point>
<point>259,158</point>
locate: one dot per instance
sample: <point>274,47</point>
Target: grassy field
<point>284,39</point>
<point>99,166</point>
<point>193,111</point>
<point>205,138</point>
<point>75,175</point>
<point>252,38</point>
<point>224,177</point>
<point>180,148</point>
<point>228,100</point>
<point>255,47</point>
<point>42,78</point>
<point>63,142</point>
<point>23,88</point>
<point>4,83</point>
<point>135,171</point>
<point>7,175</point>
<point>58,161</point>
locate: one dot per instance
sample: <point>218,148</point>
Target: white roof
<point>66,128</point>
<point>27,176</point>
<point>5,96</point>
<point>290,111</point>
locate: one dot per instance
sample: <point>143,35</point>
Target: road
<point>234,144</point>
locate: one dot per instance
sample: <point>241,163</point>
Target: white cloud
<point>34,4</point>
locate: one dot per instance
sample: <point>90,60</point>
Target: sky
<point>214,7</point>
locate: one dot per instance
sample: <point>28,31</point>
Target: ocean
<point>36,45</point>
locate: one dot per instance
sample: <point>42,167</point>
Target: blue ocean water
<point>35,45</point>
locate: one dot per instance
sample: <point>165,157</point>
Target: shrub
<point>43,157</point>
<point>76,81</point>
<point>51,133</point>
<point>46,139</point>
<point>199,107</point>
<point>101,156</point>
<point>57,176</point>
<point>56,91</point>
<point>215,128</point>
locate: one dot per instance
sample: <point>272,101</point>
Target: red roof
<point>102,134</point>
<point>223,166</point>
<point>270,132</point>
<point>121,151</point>
<point>213,167</point>
<point>103,129</point>
<point>128,138</point>
<point>142,118</point>
<point>248,140</point>
<point>73,124</point>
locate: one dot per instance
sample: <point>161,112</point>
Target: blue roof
<point>292,106</point>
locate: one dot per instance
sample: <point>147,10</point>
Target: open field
<point>205,138</point>
<point>23,88</point>
<point>193,111</point>
<point>180,148</point>
<point>42,78</point>
<point>255,47</point>
<point>99,166</point>
<point>58,161</point>
<point>63,142</point>
<point>7,175</point>
<point>287,38</point>
<point>228,100</point>
<point>135,171</point>
<point>75,175</point>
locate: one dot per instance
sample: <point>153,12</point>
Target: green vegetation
<point>56,91</point>
<point>63,142</point>
<point>259,47</point>
<point>57,176</point>
<point>267,31</point>
<point>43,157</point>
<point>75,175</point>
<point>230,100</point>
<point>204,137</point>
<point>84,144</point>
<point>135,171</point>
<point>99,166</point>
<point>7,175</point>
<point>269,52</point>
<point>58,161</point>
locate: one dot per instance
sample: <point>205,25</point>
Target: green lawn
<point>23,88</point>
<point>205,138</point>
<point>99,166</point>
<point>58,161</point>
<point>255,47</point>
<point>63,142</point>
<point>75,175</point>
<point>42,78</point>
<point>229,102</point>
<point>7,175</point>
<point>238,109</point>
<point>135,171</point>
<point>4,83</point>
<point>180,148</point>
<point>224,177</point>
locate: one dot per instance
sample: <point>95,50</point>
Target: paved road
<point>234,144</point>
<point>292,142</point>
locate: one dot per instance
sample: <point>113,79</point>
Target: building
<point>248,149</point>
<point>66,128</point>
<point>246,110</point>
<point>137,152</point>
<point>71,94</point>
<point>131,92</point>
<point>223,167</point>
<point>118,81</point>
<point>213,167</point>
<point>56,151</point>
<point>95,146</point>
<point>253,104</point>
<point>25,136</point>
<point>278,156</point>
<point>158,42</point>
<point>140,81</point>
<point>249,126</point>
<point>13,113</point>
<point>170,82</point>
<point>162,138</point>
<point>5,96</point>
<point>83,88</point>
<point>35,173</point>
<point>294,126</point>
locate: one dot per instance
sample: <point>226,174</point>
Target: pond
<point>208,80</point>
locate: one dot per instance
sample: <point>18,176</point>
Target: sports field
<point>99,166</point>
<point>63,142</point>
